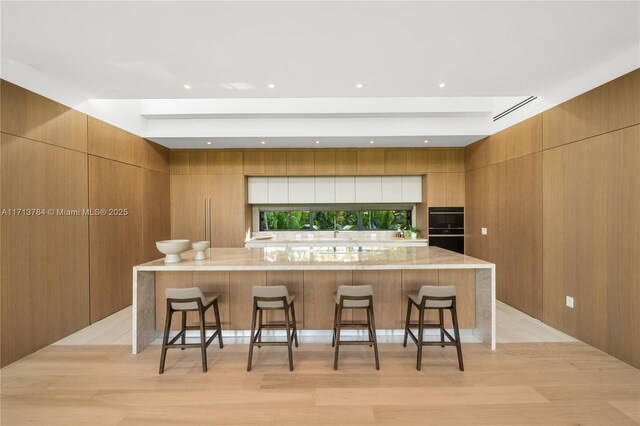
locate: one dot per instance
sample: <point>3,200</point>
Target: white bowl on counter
<point>172,249</point>
<point>200,247</point>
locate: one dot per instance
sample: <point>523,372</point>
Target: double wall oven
<point>446,228</point>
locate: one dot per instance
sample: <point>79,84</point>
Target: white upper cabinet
<point>338,189</point>
<point>325,190</point>
<point>391,189</point>
<point>345,189</point>
<point>302,190</point>
<point>368,189</point>
<point>412,189</point>
<point>258,191</point>
<point>278,190</point>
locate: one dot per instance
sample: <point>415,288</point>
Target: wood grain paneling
<point>591,241</point>
<point>412,280</point>
<point>437,161</point>
<point>198,162</point>
<point>188,197</point>
<point>115,241</point>
<point>155,157</point>
<point>346,162</point>
<point>319,299</point>
<point>516,141</point>
<point>254,162</point>
<point>224,162</point>
<point>275,162</point>
<point>294,281</point>
<point>437,189</point>
<point>300,163</point>
<point>325,162</point>
<point>387,297</point>
<point>228,200</point>
<point>370,162</point>
<point>454,161</point>
<point>395,161</point>
<point>44,262</point>
<point>240,299</point>
<point>156,220</point>
<point>465,283</point>
<point>107,141</point>
<point>179,162</point>
<point>454,189</point>
<point>606,108</point>
<point>29,115</point>
<point>417,161</point>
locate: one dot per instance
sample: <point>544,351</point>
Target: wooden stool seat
<point>273,298</point>
<point>184,300</point>
<point>433,297</point>
<point>354,297</point>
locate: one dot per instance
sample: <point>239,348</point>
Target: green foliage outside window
<point>328,220</point>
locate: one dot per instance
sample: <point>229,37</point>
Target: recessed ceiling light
<point>359,85</point>
<point>271,86</point>
<point>188,87</point>
<point>426,141</point>
<point>317,141</point>
<point>262,142</point>
<point>370,141</point>
<point>208,142</point>
<point>441,85</point>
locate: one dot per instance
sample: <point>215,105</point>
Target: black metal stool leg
<point>216,313</point>
<point>183,339</point>
<point>203,342</point>
<point>335,322</point>
<point>295,323</point>
<point>441,315</point>
<point>420,337</point>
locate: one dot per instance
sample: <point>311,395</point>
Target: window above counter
<point>335,217</point>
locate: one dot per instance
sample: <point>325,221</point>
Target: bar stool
<point>184,300</point>
<point>433,297</point>
<point>354,297</point>
<point>273,298</point>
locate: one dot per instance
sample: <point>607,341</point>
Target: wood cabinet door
<point>189,203</point>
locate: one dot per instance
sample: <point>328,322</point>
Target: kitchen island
<point>313,274</point>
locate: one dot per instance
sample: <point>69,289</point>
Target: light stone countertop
<point>320,258</point>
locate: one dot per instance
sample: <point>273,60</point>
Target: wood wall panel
<point>215,282</point>
<point>165,280</point>
<point>454,189</point>
<point>395,161</point>
<point>437,161</point>
<point>325,162</point>
<point>156,218</point>
<point>300,163</point>
<point>516,141</point>
<point>188,195</point>
<point>44,262</point>
<point>275,162</point>
<point>107,141</point>
<point>179,162</point>
<point>224,162</point>
<point>115,242</point>
<point>437,189</point>
<point>606,108</point>
<point>199,162</point>
<point>346,162</point>
<point>387,297</point>
<point>319,299</point>
<point>155,157</point>
<point>228,200</point>
<point>240,299</point>
<point>31,116</point>
<point>370,162</point>
<point>254,162</point>
<point>416,161</point>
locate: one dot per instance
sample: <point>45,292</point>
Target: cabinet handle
<point>210,221</point>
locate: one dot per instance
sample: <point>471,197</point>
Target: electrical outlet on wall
<point>484,231</point>
<point>570,302</point>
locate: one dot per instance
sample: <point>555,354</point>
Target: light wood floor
<point>523,383</point>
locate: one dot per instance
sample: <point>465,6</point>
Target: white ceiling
<point>150,50</point>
